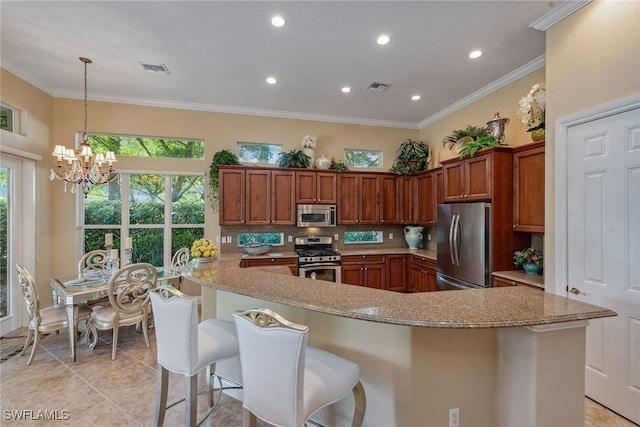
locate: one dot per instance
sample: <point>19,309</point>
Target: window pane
<point>187,195</point>
<point>6,118</point>
<point>136,146</point>
<point>258,153</point>
<point>146,197</point>
<point>274,239</point>
<point>351,237</point>
<point>362,158</point>
<point>184,237</point>
<point>94,238</point>
<point>103,204</point>
<point>148,245</point>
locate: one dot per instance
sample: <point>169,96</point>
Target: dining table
<point>71,291</point>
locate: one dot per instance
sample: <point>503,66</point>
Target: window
<point>366,159</point>
<point>352,237</point>
<point>138,146</point>
<point>6,118</point>
<point>273,239</point>
<point>161,213</point>
<point>252,152</point>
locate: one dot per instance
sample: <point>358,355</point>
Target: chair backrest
<point>92,261</point>
<point>129,287</point>
<point>30,293</point>
<point>175,316</point>
<point>180,260</point>
<point>272,357</point>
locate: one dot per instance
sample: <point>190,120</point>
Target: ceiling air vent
<point>155,68</point>
<point>377,86</point>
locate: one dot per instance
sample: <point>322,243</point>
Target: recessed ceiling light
<point>475,54</point>
<point>415,97</point>
<point>271,80</point>
<point>383,39</point>
<point>346,89</point>
<point>278,21</point>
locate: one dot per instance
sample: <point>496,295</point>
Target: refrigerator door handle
<point>451,248</point>
<point>456,250</point>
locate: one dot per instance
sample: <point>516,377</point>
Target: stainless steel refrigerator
<point>464,246</point>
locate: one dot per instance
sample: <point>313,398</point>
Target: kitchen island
<point>504,356</point>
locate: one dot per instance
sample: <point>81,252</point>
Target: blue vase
<point>531,268</point>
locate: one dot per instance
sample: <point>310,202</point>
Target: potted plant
<point>294,159</point>
<point>531,111</point>
<point>338,165</point>
<point>470,148</point>
<point>412,156</point>
<point>461,136</point>
<point>531,259</point>
<point>222,157</point>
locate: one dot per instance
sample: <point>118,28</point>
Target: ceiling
<point>219,53</point>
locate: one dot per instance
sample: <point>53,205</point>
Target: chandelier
<point>83,167</point>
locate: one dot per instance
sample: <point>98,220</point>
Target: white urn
<point>323,162</point>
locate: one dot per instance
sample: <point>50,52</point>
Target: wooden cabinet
<point>358,198</point>
<point>499,282</point>
<point>528,188</point>
<point>257,196</point>
<point>316,187</point>
<point>389,200</point>
<point>364,270</point>
<point>291,262</point>
<point>468,180</point>
<point>405,206</point>
<point>396,272</point>
<point>422,275</point>
<point>425,198</point>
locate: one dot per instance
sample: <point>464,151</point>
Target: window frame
<point>268,144</point>
<point>362,150</point>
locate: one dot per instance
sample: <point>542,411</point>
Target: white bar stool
<point>285,382</point>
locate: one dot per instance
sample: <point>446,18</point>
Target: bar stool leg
<point>360,399</point>
<point>191,400</point>
<point>248,418</point>
<point>161,397</point>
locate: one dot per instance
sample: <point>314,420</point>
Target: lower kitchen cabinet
<point>364,270</point>
<point>422,275</point>
<point>292,263</point>
<point>396,272</point>
<point>499,282</point>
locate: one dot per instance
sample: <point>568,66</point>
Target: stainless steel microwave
<point>316,216</point>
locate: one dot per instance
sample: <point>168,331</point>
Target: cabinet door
<point>396,273</point>
<point>426,199</point>
<point>283,202</point>
<point>231,196</point>
<point>405,205</point>
<point>326,188</point>
<point>389,212</point>
<point>431,282</point>
<point>478,178</point>
<point>353,274</point>
<point>374,275</point>
<point>258,197</point>
<point>453,178</point>
<point>499,282</point>
<point>305,187</point>
<point>439,188</point>
<point>348,199</point>
<point>417,278</point>
<point>528,188</point>
<point>369,193</point>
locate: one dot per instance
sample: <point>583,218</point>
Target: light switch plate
<point>224,240</point>
<point>289,239</point>
<point>217,239</point>
<point>229,239</point>
<point>336,236</point>
<point>390,236</point>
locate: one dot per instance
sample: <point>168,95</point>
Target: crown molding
<point>557,14</point>
<point>490,88</point>
<point>234,110</point>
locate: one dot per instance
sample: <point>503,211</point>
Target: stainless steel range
<point>317,259</point>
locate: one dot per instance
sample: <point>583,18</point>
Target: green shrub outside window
<point>352,237</point>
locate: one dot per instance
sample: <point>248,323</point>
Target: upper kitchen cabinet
<point>405,198</point>
<point>316,187</point>
<point>390,211</point>
<point>426,197</point>
<point>231,196</point>
<point>358,198</point>
<point>476,178</point>
<point>528,188</point>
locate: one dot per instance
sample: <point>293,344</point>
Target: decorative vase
<point>311,153</point>
<point>413,236</point>
<point>531,268</point>
<point>323,162</point>
<point>537,135</point>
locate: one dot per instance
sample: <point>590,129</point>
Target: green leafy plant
<point>461,136</point>
<point>222,157</point>
<point>412,156</point>
<point>529,256</point>
<point>338,165</point>
<point>294,159</point>
<point>471,147</point>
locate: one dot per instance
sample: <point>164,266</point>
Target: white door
<point>11,303</point>
<point>603,261</point>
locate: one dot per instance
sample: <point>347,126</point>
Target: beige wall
<point>36,140</point>
<point>593,58</point>
<point>504,100</point>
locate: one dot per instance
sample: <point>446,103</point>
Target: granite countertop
<point>535,280</point>
<point>475,308</point>
<point>424,253</point>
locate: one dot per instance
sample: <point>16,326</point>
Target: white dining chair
<point>285,382</point>
<point>128,304</point>
<point>43,320</point>
<point>186,347</point>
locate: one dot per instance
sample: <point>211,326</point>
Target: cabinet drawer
<point>423,262</point>
<point>360,259</point>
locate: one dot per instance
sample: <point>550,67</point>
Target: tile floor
<point>96,391</point>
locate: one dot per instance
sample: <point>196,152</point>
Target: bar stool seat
<point>285,382</point>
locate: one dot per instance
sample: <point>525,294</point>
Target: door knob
<point>576,291</point>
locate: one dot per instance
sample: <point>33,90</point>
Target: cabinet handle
<point>514,226</point>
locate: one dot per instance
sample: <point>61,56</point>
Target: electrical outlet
<point>289,239</point>
<point>454,417</point>
<point>224,239</point>
<point>217,239</point>
<point>229,239</point>
<point>428,236</point>
<point>336,236</point>
<point>390,236</point>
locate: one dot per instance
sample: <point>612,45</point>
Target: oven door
<point>328,272</point>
